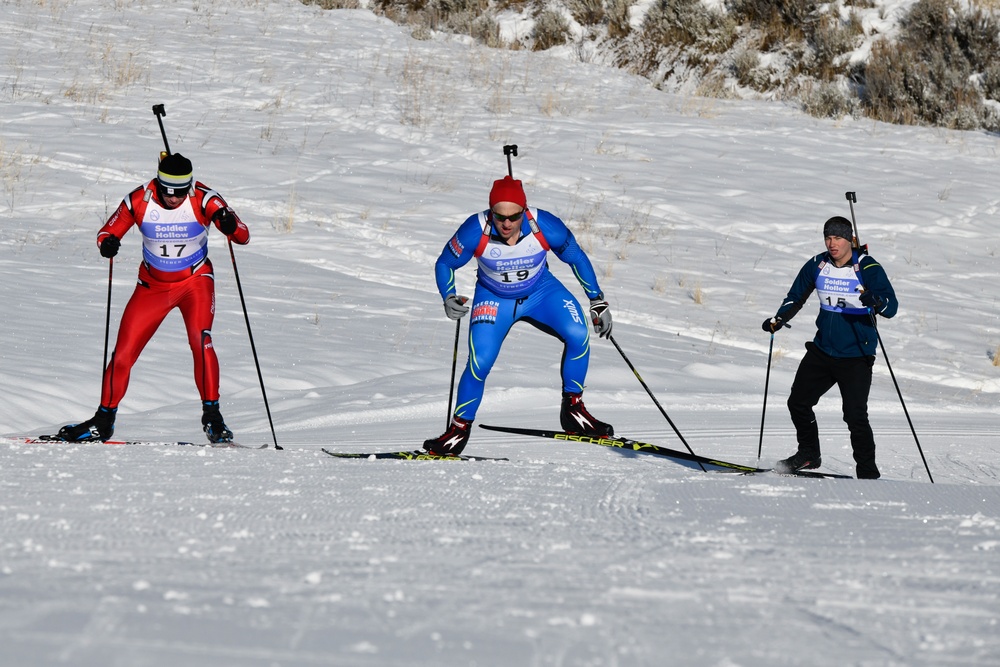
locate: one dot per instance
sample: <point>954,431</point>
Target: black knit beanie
<point>838,226</point>
<point>175,174</point>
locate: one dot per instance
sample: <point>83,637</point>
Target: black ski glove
<point>872,300</point>
<point>772,324</point>
<point>226,220</point>
<point>110,245</point>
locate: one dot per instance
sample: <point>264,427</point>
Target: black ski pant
<point>817,373</point>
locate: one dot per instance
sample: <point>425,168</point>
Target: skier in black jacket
<point>852,289</point>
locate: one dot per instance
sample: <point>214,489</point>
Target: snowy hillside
<point>353,152</point>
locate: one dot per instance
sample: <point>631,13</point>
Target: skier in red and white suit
<point>173,214</point>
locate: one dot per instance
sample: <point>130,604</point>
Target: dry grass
<point>414,91</point>
<point>334,4</point>
<point>15,168</point>
<point>938,71</point>
<point>697,295</point>
<point>286,223</point>
<point>123,70</point>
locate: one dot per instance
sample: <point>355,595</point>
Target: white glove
<point>454,306</point>
<point>600,315</point>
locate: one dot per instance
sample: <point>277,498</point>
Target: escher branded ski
<point>685,459</point>
<point>414,455</point>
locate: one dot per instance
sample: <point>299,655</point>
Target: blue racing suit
<point>514,283</point>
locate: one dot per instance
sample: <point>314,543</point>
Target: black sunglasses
<point>504,218</point>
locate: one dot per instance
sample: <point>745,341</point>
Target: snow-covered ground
<point>354,151</point>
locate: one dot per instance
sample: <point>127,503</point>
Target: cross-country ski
<point>56,440</point>
<point>627,444</point>
<point>409,455</point>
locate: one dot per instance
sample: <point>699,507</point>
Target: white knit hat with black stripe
<point>175,175</point>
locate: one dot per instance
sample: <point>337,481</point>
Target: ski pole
<point>656,402</point>
<point>767,380</point>
<point>509,150</point>
<point>159,110</point>
<point>899,393</point>
<point>901,401</point>
<point>107,318</point>
<point>851,198</point>
<point>253,348</point>
<point>454,366</point>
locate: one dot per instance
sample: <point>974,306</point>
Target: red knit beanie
<point>508,189</point>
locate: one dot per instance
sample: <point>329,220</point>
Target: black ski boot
<point>98,428</point>
<point>452,441</point>
<point>215,428</point>
<point>575,418</point>
<point>798,461</point>
<point>868,470</point>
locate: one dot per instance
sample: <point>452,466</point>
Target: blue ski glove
<point>454,306</point>
<point>600,315</point>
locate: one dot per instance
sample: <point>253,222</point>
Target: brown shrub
<point>551,29</point>
<point>927,76</point>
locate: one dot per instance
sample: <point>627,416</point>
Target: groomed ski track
<point>582,553</point>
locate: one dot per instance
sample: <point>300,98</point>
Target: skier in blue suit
<point>510,243</point>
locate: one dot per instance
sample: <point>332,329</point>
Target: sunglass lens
<point>504,218</point>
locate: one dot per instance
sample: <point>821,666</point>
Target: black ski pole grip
<point>852,199</point>
<point>508,150</point>
<point>159,111</point>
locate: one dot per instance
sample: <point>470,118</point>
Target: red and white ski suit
<point>175,273</point>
